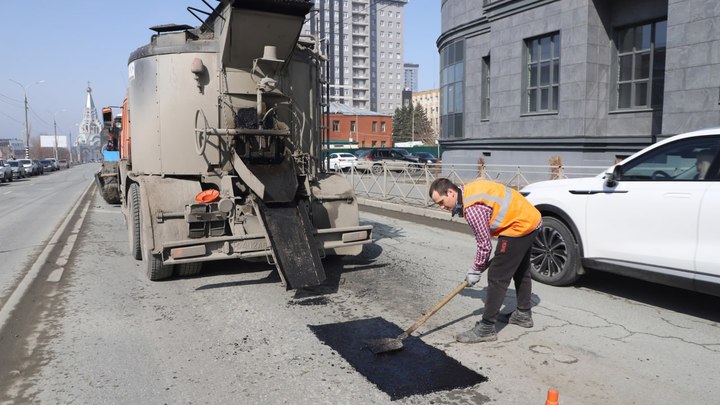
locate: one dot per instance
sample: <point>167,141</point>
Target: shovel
<point>384,345</point>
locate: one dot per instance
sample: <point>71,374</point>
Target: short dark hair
<point>442,185</point>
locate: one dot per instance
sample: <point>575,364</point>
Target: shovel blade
<point>384,345</point>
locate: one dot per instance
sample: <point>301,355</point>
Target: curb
<point>409,209</point>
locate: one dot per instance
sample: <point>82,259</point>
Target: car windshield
<point>403,152</point>
<point>26,162</point>
<point>14,164</point>
<point>346,155</point>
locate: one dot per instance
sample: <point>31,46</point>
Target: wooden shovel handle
<point>434,309</point>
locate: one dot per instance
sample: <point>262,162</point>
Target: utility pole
<point>55,128</point>
<point>27,127</point>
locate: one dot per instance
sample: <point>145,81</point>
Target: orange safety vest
<point>513,215</point>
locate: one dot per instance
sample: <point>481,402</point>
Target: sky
<point>52,49</point>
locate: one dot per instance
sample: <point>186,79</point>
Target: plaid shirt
<point>478,217</point>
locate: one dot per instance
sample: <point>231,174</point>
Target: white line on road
<point>31,275</point>
<point>64,256</point>
<point>7,192</point>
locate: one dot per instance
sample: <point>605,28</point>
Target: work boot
<point>482,332</point>
<point>521,318</point>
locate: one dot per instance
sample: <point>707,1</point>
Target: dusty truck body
<point>221,146</point>
<point>107,178</point>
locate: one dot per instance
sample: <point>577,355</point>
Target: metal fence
<point>410,184</point>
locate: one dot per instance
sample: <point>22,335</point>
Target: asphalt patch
<point>416,369</point>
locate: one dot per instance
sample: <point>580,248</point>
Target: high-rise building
<point>364,42</point>
<point>411,76</point>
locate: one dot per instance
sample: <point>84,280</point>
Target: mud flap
<point>293,244</point>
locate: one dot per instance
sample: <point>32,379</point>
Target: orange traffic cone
<point>552,397</point>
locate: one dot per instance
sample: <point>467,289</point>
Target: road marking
<point>64,256</point>
<point>32,274</point>
<point>56,275</point>
<point>7,192</point>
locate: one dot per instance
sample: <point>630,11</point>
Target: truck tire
<point>188,269</point>
<point>134,226</point>
<point>555,255</point>
<point>156,270</point>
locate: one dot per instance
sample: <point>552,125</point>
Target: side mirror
<point>612,178</point>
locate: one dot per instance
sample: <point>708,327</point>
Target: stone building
<point>430,102</point>
<point>359,127</point>
<point>585,81</point>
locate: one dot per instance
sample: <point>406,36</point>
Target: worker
<point>702,164</point>
<point>493,209</point>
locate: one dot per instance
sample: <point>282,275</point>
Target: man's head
<point>444,193</point>
<point>702,164</point>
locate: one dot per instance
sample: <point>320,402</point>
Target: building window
<point>336,126</point>
<point>382,144</point>
<point>542,79</point>
<point>382,126</point>
<point>374,126</point>
<point>485,91</point>
<point>452,79</point>
<point>374,143</point>
<point>352,127</point>
<point>640,65</point>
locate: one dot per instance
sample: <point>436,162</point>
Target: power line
<point>11,117</point>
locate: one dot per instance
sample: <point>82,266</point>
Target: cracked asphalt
<point>104,334</point>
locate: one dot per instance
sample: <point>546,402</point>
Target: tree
<point>410,123</point>
<point>401,127</point>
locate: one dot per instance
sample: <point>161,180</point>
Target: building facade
<point>411,76</point>
<point>430,102</point>
<point>588,81</point>
<point>365,50</point>
<point>355,126</point>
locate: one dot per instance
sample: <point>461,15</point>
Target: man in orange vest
<point>495,210</point>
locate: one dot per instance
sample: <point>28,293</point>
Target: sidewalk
<point>434,213</point>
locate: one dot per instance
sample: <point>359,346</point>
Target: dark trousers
<point>511,261</point>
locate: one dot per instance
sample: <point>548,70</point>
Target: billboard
<point>48,141</point>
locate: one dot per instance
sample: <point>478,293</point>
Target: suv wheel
<point>555,257</point>
<point>376,169</point>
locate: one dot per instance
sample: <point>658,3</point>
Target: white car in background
<point>341,161</point>
<point>654,216</point>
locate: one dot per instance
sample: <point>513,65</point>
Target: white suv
<point>653,216</point>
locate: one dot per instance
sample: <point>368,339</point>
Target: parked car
<point>54,162</point>
<point>341,161</point>
<point>30,168</point>
<point>394,159</point>
<point>653,216</point>
<point>425,157</point>
<point>63,163</point>
<point>40,168</point>
<point>18,170</point>
<point>6,173</point>
<point>48,165</point>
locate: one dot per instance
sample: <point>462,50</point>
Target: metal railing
<point>409,184</point>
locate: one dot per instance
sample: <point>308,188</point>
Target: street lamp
<point>27,129</point>
<point>55,129</point>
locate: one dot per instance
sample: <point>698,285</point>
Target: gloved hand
<point>473,277</point>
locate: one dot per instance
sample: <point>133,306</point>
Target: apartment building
<point>411,76</point>
<point>430,102</point>
<point>365,50</point>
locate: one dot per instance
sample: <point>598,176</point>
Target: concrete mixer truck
<point>221,146</point>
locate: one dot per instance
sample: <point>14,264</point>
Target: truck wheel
<point>156,270</point>
<point>134,227</point>
<point>555,256</point>
<point>188,269</point>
